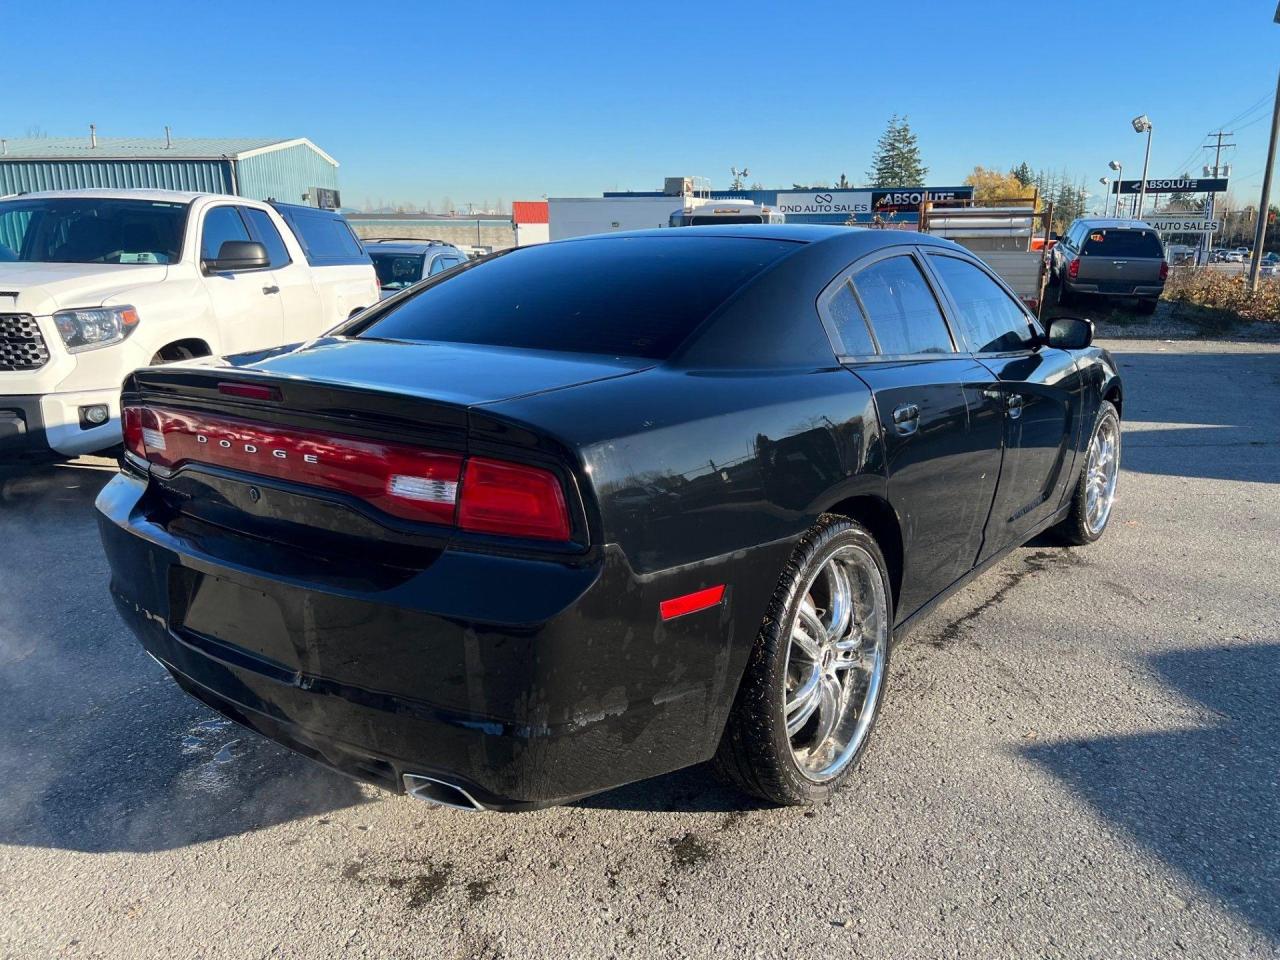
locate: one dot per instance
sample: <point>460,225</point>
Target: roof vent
<point>168,138</point>
<point>93,135</point>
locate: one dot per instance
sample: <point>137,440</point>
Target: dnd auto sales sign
<point>849,202</point>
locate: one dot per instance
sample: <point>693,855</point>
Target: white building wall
<point>580,216</point>
<point>527,234</point>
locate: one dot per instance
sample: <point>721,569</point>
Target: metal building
<point>292,171</point>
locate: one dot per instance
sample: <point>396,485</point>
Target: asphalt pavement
<point>1079,757</point>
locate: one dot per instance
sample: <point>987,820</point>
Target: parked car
<point>1110,258</point>
<point>403,262</point>
<point>96,283</point>
<point>1269,265</point>
<point>1234,256</point>
<point>590,511</point>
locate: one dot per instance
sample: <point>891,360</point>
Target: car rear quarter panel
<point>694,479</point>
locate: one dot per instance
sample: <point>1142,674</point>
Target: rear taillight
<point>1073,269</point>
<point>131,426</point>
<point>1164,269</point>
<point>477,494</point>
<point>513,500</point>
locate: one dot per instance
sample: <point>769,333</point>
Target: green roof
<point>144,148</point>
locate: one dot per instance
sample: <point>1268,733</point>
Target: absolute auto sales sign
<point>866,201</point>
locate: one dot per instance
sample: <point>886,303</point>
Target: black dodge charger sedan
<point>587,512</point>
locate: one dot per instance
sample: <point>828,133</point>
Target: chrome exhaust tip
<point>431,790</point>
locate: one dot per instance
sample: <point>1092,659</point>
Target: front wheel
<point>1095,491</point>
<point>815,680</point>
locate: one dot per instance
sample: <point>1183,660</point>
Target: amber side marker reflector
<point>691,602</point>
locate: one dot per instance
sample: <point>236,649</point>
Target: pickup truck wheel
<point>1065,297</point>
<point>1095,492</point>
<point>813,686</point>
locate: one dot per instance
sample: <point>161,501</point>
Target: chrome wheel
<point>836,662</point>
<point>1102,472</point>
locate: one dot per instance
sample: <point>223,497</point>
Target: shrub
<point>1224,291</point>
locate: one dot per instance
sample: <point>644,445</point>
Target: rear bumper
<point>435,675</point>
<point>1113,289</point>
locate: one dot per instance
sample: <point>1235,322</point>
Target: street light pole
<point>1118,167</point>
<point>1143,124</point>
<point>1260,231</point>
<point>1106,197</point>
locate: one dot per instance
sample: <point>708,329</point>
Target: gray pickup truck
<point>1110,258</point>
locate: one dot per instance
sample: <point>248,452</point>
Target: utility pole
<point>1260,232</point>
<point>1213,198</point>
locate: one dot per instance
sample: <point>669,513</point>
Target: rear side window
<point>635,296</point>
<point>901,307</point>
<point>848,322</point>
<point>1122,243</point>
<point>220,225</point>
<point>325,237</point>
<point>265,232</point>
<point>992,321</point>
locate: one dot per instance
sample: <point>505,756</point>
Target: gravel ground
<point>1078,758</point>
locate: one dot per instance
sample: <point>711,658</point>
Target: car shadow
<point>99,749</point>
<point>1221,421</point>
<point>1205,800</point>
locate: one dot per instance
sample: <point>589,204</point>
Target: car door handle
<point>906,418</point>
<point>1013,404</point>
<point>270,289</point>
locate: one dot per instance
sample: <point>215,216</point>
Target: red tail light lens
<point>1073,269</point>
<point>513,500</point>
<point>405,481</point>
<point>1164,269</point>
<point>131,425</point>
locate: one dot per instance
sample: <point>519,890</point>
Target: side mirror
<point>1070,333</point>
<point>236,255</point>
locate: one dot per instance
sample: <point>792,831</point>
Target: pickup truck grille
<point>22,346</point>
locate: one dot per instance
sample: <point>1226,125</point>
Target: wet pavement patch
<point>689,850</point>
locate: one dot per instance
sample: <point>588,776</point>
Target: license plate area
<point>233,622</point>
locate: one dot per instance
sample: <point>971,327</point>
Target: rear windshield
<point>1122,243</point>
<point>397,270</point>
<point>636,297</point>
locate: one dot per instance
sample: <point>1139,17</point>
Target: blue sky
<point>476,101</point>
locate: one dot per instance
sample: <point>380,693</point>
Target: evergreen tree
<point>1024,174</point>
<point>896,162</point>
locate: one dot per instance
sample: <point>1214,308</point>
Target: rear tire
<point>1095,491</point>
<point>1065,297</point>
<point>808,702</point>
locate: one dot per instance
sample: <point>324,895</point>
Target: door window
<point>220,225</point>
<point>991,320</point>
<point>439,265</point>
<point>265,232</point>
<point>902,309</point>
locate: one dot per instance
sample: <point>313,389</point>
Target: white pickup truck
<point>97,283</point>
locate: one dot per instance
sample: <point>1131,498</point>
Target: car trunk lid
<point>347,446</point>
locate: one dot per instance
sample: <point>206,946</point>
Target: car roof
<point>405,246</point>
<point>126,193</point>
<point>1114,223</point>
<point>862,238</point>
